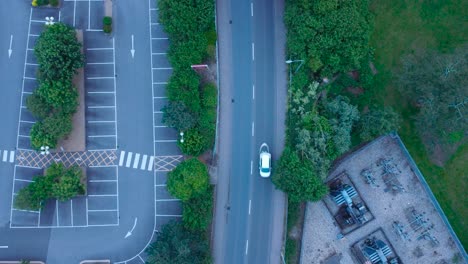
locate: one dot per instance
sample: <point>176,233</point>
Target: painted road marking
<point>247,247</point>
<point>150,164</point>
<point>137,159</point>
<point>143,162</point>
<point>5,155</point>
<point>250,205</point>
<point>4,247</point>
<point>12,156</point>
<point>122,157</point>
<point>129,159</point>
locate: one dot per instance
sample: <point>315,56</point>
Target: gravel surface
<point>320,232</point>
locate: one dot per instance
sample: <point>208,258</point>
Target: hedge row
<point>58,182</point>
<point>53,103</point>
<point>192,104</point>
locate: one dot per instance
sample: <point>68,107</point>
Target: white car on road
<point>265,161</point>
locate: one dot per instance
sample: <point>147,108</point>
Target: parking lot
<point>100,206</point>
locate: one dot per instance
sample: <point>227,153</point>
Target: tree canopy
<point>189,179</point>
<point>197,212</point>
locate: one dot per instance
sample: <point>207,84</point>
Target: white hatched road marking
<point>143,162</point>
<point>129,159</point>
<point>122,157</point>
<point>137,159</point>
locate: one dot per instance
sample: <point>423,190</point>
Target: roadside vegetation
<point>371,67</point>
<point>191,110</point>
<point>58,182</point>
<point>54,102</point>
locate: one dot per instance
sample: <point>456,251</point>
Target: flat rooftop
<point>404,216</point>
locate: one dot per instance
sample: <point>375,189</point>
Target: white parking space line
<point>102,180</point>
<point>102,195</point>
<point>129,159</point>
<point>162,68</point>
<point>5,155</point>
<point>99,63</point>
<point>29,122</point>
<point>136,160</point>
<point>168,215</point>
<point>160,97</point>
<point>143,162</point>
<point>103,210</point>
<point>103,121</point>
<point>166,140</point>
<point>159,82</point>
<point>71,211</point>
<point>101,92</point>
<point>12,156</point>
<point>3,247</point>
<point>21,180</point>
<point>99,78</point>
<point>122,157</point>
<point>27,211</point>
<point>150,164</point>
<point>99,48</point>
<point>167,200</point>
<point>57,212</point>
<point>100,107</point>
<point>159,38</point>
<point>159,53</point>
<point>87,221</point>
<point>161,126</point>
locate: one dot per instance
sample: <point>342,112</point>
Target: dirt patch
<point>441,153</point>
<point>76,141</point>
<point>355,90</point>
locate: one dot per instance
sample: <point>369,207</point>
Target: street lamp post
<point>45,150</point>
<point>49,21</point>
<point>182,137</point>
<point>290,62</point>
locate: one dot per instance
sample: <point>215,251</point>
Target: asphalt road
<point>253,222</point>
<point>135,188</point>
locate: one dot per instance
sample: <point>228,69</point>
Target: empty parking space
<point>159,103</point>
<point>32,41</point>
<point>161,75</point>
<point>95,10</point>
<point>48,215</point>
<point>164,148</point>
<point>162,193</point>
<point>100,129</point>
<point>101,173</point>
<point>160,46</point>
<point>100,142</point>
<point>29,85</point>
<point>157,31</point>
<point>102,203</point>
<point>24,143</point>
<point>159,89</point>
<point>20,184</point>
<point>26,173</point>
<point>100,115</point>
<point>161,61</point>
<point>79,215</point>
<point>30,71</point>
<point>163,220</point>
<point>161,178</point>
<point>94,86</point>
<point>64,213</point>
<point>154,16</point>
<point>102,188</point>
<point>165,133</point>
<point>99,55</point>
<point>24,128</point>
<point>102,100</point>
<point>24,218</point>
<point>102,218</point>
<point>169,208</point>
<point>99,70</point>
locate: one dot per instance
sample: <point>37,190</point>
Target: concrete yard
<point>321,241</point>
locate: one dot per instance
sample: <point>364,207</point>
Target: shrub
<point>176,115</point>
<point>189,179</point>
<point>42,2</point>
<point>54,3</point>
<point>377,122</point>
<point>107,20</point>
<point>209,96</point>
<point>48,131</point>
<point>107,28</point>
<point>38,107</point>
<point>61,95</point>
<point>183,86</point>
<point>193,144</point>
<point>197,212</point>
<point>34,3</point>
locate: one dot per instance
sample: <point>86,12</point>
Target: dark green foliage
<point>54,3</point>
<point>37,106</point>
<point>436,83</point>
<point>378,122</point>
<point>177,245</point>
<point>189,179</point>
<point>107,20</point>
<point>183,86</point>
<point>61,95</point>
<point>42,2</point>
<point>48,131</point>
<point>107,28</point>
<point>197,212</point>
<point>176,115</point>
<point>209,96</point>
<point>331,36</point>
<point>194,143</point>
<point>58,53</point>
<point>184,54</point>
<point>296,178</point>
<point>58,182</point>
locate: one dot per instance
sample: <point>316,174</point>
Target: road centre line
<point>251,9</point>
<point>150,164</point>
<point>136,160</point>
<point>247,247</point>
<point>253,129</point>
<point>250,205</point>
<point>143,162</point>
<point>253,91</point>
<point>251,167</point>
<point>129,159</point>
<point>253,51</point>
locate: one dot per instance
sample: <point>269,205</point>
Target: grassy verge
<point>403,27</point>
<point>294,232</point>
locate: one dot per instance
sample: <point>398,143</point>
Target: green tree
<point>58,53</point>
<point>38,106</point>
<point>176,245</point>
<point>436,83</point>
<point>189,179</point>
<point>176,115</point>
<point>194,143</point>
<point>331,36</point>
<point>61,95</point>
<point>66,181</point>
<point>296,178</point>
<point>197,212</point>
<point>183,86</point>
<point>377,122</point>
<point>48,131</point>
<point>32,196</point>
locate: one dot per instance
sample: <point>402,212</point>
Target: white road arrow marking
<point>133,49</point>
<point>129,233</point>
<point>10,50</point>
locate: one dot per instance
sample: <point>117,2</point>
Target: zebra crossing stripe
<point>122,157</point>
<point>129,159</point>
<point>5,155</point>
<point>150,164</point>
<point>137,159</point>
<point>143,162</point>
<point>12,156</point>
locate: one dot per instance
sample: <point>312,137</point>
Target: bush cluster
<point>53,103</point>
<point>53,3</point>
<point>192,107</point>
<point>186,242</point>
<point>58,182</point>
<point>107,24</point>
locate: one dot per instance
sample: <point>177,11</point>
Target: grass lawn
<point>402,27</point>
